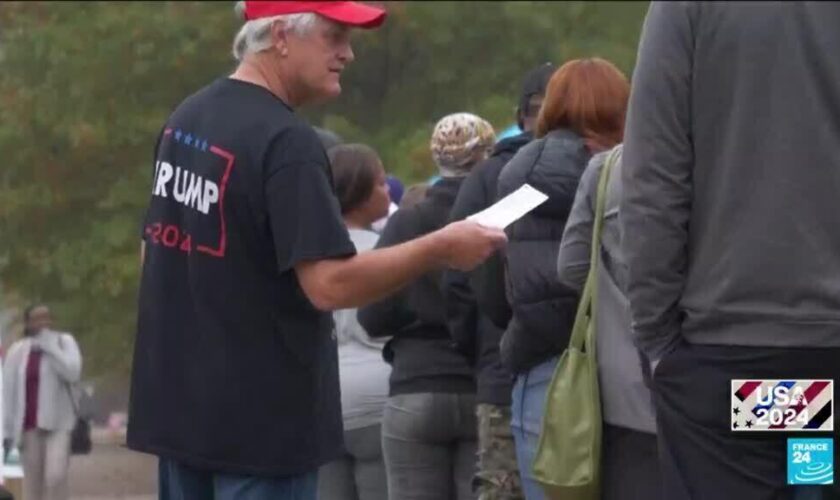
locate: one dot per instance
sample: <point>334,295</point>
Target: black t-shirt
<point>234,368</point>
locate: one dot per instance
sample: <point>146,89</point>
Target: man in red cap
<point>235,383</point>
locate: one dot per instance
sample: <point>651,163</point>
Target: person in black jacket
<point>429,425</point>
<point>478,312</point>
<point>583,113</point>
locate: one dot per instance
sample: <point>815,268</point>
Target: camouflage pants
<point>498,475</point>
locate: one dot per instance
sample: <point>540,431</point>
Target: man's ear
<point>279,38</point>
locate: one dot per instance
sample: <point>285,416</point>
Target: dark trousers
<point>700,457</point>
<point>629,465</point>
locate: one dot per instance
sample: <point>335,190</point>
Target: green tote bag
<point>568,460</point>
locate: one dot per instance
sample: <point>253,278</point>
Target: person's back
<point>730,177</point>
<point>208,280</point>
<point>583,112</point>
<point>429,425</point>
<point>763,113</point>
<point>428,431</point>
<point>766,177</point>
<point>543,308</point>
<point>477,308</point>
<point>421,350</point>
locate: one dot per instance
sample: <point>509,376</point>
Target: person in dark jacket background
<point>582,114</point>
<point>472,322</point>
<point>429,425</point>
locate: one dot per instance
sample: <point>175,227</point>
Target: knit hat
<point>459,141</point>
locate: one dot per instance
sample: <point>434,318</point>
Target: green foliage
<point>86,86</point>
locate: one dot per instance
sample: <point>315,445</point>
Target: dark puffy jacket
<point>421,350</point>
<point>543,308</point>
<point>476,301</point>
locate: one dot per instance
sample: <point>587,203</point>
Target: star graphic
<point>749,424</point>
<point>188,140</point>
<point>204,145</point>
<point>178,135</point>
<point>736,411</point>
<point>735,425</point>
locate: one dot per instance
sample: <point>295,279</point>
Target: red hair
<point>589,97</point>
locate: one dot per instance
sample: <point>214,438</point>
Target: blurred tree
<point>86,86</point>
<point>435,58</point>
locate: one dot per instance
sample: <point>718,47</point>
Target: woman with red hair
<point>582,114</point>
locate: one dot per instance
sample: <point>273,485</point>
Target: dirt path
<point>112,472</point>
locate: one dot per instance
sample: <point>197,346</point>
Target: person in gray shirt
<point>730,227</point>
<point>629,457</point>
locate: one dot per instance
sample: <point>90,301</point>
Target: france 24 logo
<point>782,405</point>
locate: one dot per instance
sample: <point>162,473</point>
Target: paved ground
<point>112,472</point>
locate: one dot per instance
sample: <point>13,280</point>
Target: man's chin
<point>333,90</point>
<point>325,94</point>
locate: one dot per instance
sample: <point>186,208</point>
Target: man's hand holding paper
<point>510,208</point>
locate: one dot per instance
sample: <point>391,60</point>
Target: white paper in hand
<point>510,208</point>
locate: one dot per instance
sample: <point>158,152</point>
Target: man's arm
<point>353,282</point>
<point>389,316</point>
<point>310,237</point>
<point>332,284</point>
<point>656,177</point>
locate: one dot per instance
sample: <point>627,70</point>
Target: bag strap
<point>589,295</point>
<point>72,399</point>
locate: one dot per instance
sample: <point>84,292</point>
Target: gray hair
<point>255,35</point>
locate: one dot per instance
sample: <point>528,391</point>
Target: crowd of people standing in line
<point>446,332</point>
<point>470,355</point>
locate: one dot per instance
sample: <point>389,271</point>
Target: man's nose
<point>346,54</point>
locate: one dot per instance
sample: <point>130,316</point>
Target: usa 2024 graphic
<point>782,405</point>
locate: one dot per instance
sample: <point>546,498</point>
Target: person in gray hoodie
<point>731,178</point>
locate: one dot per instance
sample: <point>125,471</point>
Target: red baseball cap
<point>352,13</point>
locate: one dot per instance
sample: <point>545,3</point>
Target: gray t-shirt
<point>362,371</point>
